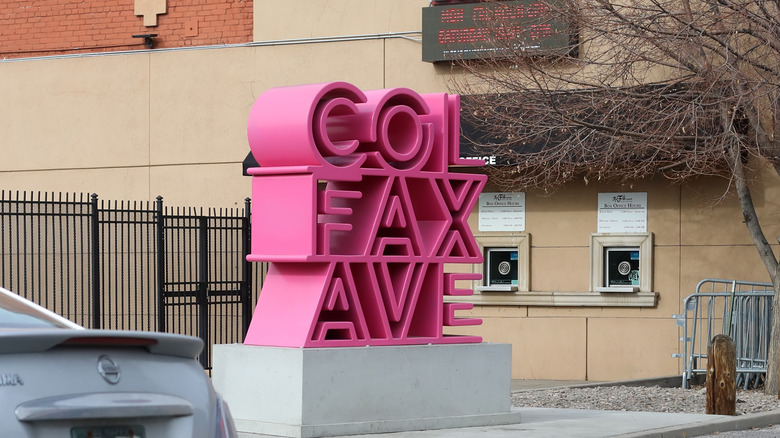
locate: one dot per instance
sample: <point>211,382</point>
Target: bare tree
<point>676,88</point>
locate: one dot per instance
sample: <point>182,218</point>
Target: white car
<point>58,379</point>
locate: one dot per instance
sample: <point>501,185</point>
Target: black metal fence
<point>132,265</point>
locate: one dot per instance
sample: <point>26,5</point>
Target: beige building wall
<point>696,236</point>
<point>173,123</point>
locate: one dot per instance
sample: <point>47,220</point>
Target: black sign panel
<point>502,267</point>
<point>622,267</point>
<point>488,30</point>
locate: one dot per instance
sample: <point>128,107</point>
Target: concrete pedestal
<point>314,392</point>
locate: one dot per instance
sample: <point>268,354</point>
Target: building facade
<point>63,27</point>
<point>129,122</point>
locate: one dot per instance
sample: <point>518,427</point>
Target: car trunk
<point>74,383</point>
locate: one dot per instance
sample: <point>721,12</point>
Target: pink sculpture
<point>357,214</point>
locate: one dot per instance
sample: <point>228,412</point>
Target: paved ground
<point>542,422</point>
<point>578,423</point>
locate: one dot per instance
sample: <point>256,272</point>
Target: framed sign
<point>622,212</point>
<point>502,211</point>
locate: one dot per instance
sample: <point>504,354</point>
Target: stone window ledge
<point>560,299</point>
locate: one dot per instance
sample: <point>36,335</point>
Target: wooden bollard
<point>722,376</point>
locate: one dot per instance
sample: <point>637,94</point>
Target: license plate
<point>135,431</point>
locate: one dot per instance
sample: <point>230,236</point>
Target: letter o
<point>400,134</point>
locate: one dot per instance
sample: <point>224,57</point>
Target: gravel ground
<point>639,398</point>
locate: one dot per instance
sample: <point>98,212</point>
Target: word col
<point>357,213</point>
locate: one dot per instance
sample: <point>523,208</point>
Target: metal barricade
<point>739,309</point>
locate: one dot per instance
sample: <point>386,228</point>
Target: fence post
<point>721,376</point>
<point>160,225</point>
<point>203,288</point>
<point>246,298</point>
<point>96,290</point>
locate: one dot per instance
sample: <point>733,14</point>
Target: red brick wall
<point>56,27</point>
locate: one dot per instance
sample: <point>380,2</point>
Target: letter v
<point>395,282</point>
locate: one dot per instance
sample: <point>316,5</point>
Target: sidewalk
<point>542,422</point>
<point>580,423</point>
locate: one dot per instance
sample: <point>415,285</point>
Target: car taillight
<point>225,426</point>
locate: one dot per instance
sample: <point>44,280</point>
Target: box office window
<point>621,262</point>
<point>505,267</point>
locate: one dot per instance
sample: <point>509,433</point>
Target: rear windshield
<point>16,314</point>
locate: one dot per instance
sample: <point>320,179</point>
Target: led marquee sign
<point>488,29</point>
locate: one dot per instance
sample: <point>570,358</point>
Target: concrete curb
<point>663,382</point>
<point>718,424</point>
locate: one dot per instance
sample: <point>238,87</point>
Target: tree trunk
<point>772,382</point>
<point>750,217</point>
